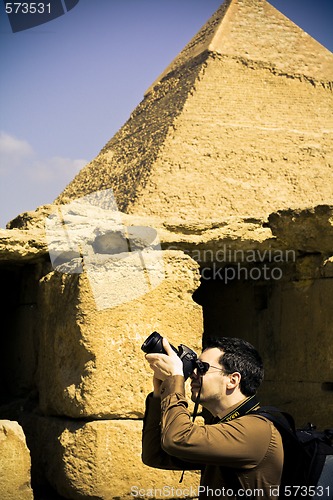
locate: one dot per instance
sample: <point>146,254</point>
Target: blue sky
<point>67,86</point>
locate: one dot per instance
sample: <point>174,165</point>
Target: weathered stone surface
<point>308,230</point>
<point>91,230</point>
<point>14,463</point>
<point>85,340</point>
<point>16,245</point>
<point>174,233</point>
<point>251,162</point>
<point>33,219</point>
<point>302,399</point>
<point>99,460</point>
<point>90,361</point>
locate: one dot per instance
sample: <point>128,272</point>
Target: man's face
<point>213,383</point>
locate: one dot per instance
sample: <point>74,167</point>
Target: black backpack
<point>308,458</point>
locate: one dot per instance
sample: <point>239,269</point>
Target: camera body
<point>154,344</point>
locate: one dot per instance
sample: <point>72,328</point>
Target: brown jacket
<point>244,455</point>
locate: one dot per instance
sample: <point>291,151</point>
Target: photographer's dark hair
<point>240,356</point>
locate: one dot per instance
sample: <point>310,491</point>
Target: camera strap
<point>196,405</point>
<point>195,412</point>
<point>250,404</point>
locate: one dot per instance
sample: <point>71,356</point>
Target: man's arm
<point>164,366</point>
<point>152,452</point>
<point>241,443</point>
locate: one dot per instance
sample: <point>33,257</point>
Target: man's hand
<point>164,365</point>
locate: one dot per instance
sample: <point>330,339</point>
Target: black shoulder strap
<point>296,459</point>
<point>282,420</point>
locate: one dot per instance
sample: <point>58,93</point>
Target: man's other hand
<point>165,365</point>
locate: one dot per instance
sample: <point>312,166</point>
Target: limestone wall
<point>15,463</point>
<point>90,361</point>
<point>75,376</point>
<point>98,459</point>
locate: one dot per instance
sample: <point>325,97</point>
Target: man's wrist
<point>158,383</point>
<point>172,384</point>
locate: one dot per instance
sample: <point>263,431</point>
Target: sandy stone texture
<point>90,361</point>
<point>15,463</point>
<point>99,460</point>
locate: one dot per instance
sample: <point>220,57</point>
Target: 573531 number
<point>28,8</point>
<point>307,491</point>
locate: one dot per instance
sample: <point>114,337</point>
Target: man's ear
<point>234,380</point>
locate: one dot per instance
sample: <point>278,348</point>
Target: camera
<point>154,344</point>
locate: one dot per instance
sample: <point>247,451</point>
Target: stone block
<point>16,245</point>
<point>14,463</point>
<point>90,361</point>
<point>305,401</point>
<point>309,230</point>
<point>99,460</point>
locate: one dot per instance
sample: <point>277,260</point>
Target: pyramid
<point>240,123</point>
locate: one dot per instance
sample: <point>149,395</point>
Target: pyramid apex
<point>257,31</point>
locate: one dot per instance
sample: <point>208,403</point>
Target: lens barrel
<point>154,344</point>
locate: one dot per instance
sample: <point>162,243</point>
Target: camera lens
<point>154,343</point>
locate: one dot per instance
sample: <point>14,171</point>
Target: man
<point>240,454</point>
